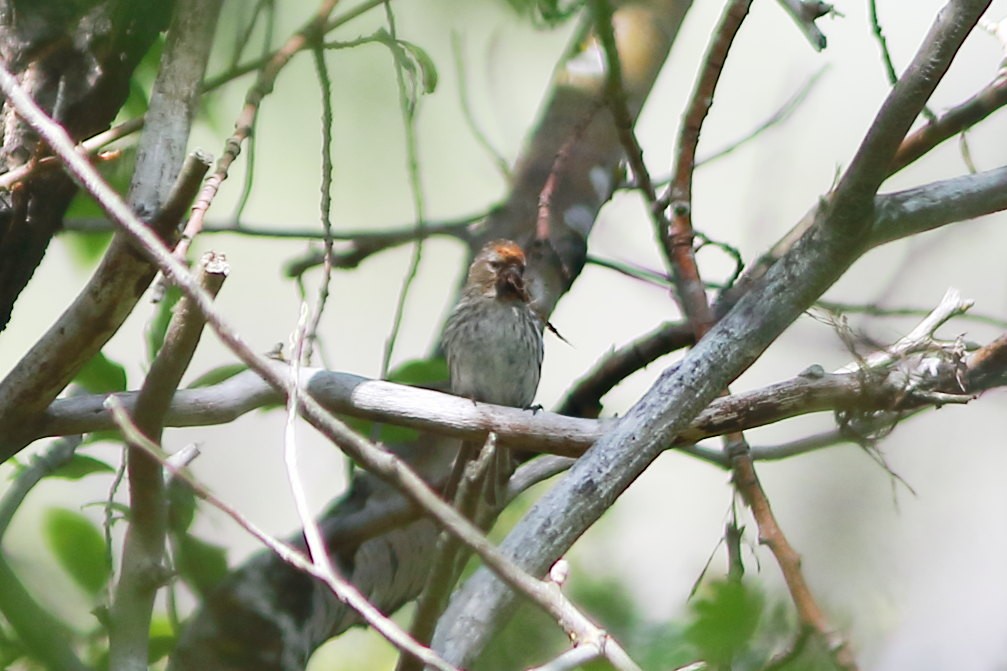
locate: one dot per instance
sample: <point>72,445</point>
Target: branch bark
<point>76,61</point>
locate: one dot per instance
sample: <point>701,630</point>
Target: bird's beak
<point>510,282</point>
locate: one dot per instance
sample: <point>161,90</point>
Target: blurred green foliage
<point>728,625</point>
<point>101,375</point>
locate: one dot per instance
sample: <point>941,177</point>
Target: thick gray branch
<point>456,417</point>
<point>924,208</point>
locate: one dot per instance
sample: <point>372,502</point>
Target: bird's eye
<point>496,264</point>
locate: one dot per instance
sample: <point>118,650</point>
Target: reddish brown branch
<point>677,239</point>
<point>956,120</point>
<point>747,483</point>
<point>92,146</point>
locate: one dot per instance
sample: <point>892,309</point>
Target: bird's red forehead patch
<point>508,251</point>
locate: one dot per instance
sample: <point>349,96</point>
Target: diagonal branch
<point>985,102</point>
<point>682,391</point>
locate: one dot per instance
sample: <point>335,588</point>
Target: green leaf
<point>78,546</point>
<point>218,375</point>
<point>161,639</point>
<point>101,375</point>
<point>422,61</point>
<point>181,506</point>
<point>420,372</point>
<point>202,565</point>
<point>158,326</point>
<point>103,436</point>
<point>418,69</point>
<point>724,621</point>
<point>81,465</point>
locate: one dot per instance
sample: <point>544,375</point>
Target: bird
<point>493,342</point>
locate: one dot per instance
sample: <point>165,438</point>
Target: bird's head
<point>498,272</point>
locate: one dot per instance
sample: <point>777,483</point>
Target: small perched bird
<point>493,338</point>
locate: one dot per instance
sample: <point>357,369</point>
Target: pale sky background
<point>917,581</point>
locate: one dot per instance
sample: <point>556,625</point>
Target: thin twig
<point>874,310</point>
<point>449,555</point>
<point>317,550</point>
<point>325,203</point>
<point>499,161</point>
<point>257,64</point>
<point>810,613</point>
<point>408,109</point>
<point>677,238</point>
<point>584,398</point>
<point>921,337</point>
<point>244,37</point>
<point>269,6</point>
<point>366,242</point>
<point>90,146</point>
<point>805,13</point>
<point>245,121</point>
<point>615,94</point>
<point>556,170</point>
<point>783,113</point>
<point>879,35</point>
<point>956,120</point>
<point>779,116</point>
<point>886,55</point>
